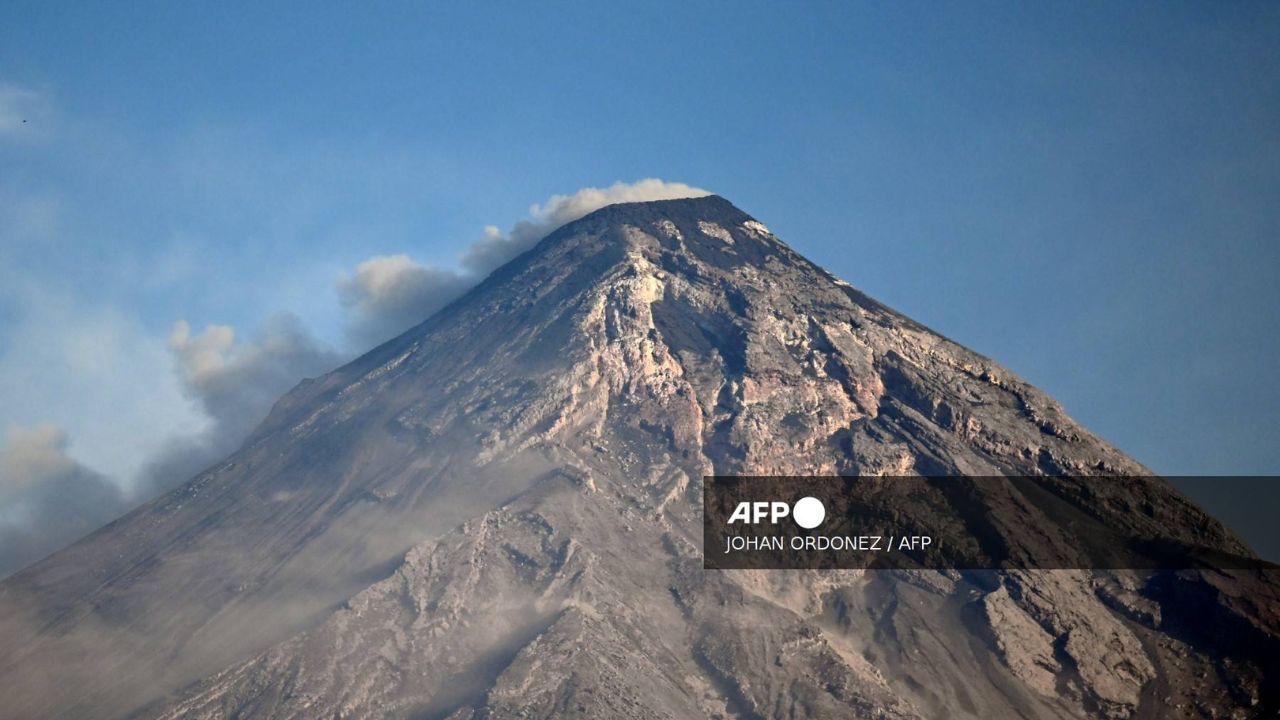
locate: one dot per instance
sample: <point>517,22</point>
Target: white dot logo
<point>809,512</point>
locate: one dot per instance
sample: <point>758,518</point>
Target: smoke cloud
<point>496,249</point>
<point>47,498</point>
<point>390,294</point>
<point>235,383</point>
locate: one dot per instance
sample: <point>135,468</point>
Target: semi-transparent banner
<point>970,523</point>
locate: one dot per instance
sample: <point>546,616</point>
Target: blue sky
<point>1088,193</point>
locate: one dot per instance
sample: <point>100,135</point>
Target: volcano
<point>498,514</point>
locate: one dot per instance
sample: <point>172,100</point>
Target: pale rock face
<point>498,515</point>
<point>1024,646</point>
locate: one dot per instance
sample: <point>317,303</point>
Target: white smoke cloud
<point>47,499</point>
<point>496,249</point>
<point>235,383</point>
<point>391,293</point>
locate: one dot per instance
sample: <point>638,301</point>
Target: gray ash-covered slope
<point>498,515</point>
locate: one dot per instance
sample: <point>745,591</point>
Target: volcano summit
<point>498,514</point>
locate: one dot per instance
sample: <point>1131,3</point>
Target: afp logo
<point>808,512</point>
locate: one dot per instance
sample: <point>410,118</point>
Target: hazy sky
<point>1089,194</point>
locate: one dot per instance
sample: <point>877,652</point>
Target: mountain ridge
<point>533,450</point>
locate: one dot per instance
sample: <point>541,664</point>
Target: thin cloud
<point>24,113</point>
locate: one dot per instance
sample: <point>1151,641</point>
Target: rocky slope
<point>497,515</point>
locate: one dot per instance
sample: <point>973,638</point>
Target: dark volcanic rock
<point>497,515</point>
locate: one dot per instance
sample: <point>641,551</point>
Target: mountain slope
<point>536,448</point>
